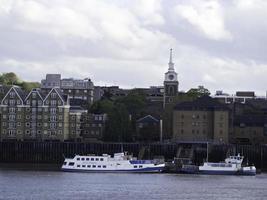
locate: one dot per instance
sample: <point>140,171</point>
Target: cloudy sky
<point>221,44</point>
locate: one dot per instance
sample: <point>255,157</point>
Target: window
<point>94,166</point>
<point>53,110</point>
<point>89,166</point>
<point>53,103</point>
<point>53,95</point>
<point>78,158</point>
<point>104,166</point>
<point>92,159</point>
<point>99,166</point>
<point>135,166</point>
<point>12,94</point>
<point>83,165</point>
<point>97,159</point>
<point>87,158</point>
<point>78,165</point>
<point>82,158</point>
<point>12,110</point>
<point>12,102</point>
<point>140,166</point>
<point>101,159</point>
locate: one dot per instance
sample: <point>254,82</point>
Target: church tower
<point>170,84</point>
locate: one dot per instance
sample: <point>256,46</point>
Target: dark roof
<point>148,119</point>
<point>21,92</point>
<point>250,120</point>
<point>201,103</point>
<point>63,96</point>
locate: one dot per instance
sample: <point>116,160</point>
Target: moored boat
<point>231,166</point>
<point>120,162</point>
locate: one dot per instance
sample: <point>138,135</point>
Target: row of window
<point>92,159</point>
<point>31,132</point>
<point>197,116</point>
<point>13,102</point>
<point>51,118</point>
<point>32,109</point>
<point>198,131</point>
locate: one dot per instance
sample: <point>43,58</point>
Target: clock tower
<point>170,84</point>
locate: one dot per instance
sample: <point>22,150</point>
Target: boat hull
<point>220,172</point>
<point>143,170</point>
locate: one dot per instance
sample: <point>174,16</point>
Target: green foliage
<point>122,114</point>
<point>9,78</point>
<point>198,92</point>
<point>118,127</point>
<point>28,86</point>
<point>135,101</point>
<point>102,106</point>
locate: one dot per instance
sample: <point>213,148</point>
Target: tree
<point>198,92</point>
<point>118,127</point>
<point>102,106</point>
<point>9,79</point>
<point>28,86</point>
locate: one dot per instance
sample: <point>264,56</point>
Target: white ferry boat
<point>120,162</point>
<point>231,166</point>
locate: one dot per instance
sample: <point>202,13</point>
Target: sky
<point>220,44</point>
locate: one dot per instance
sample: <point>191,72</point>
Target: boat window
<point>101,159</point>
<point>64,163</point>
<point>92,159</point>
<point>94,166</point>
<point>104,166</point>
<point>140,166</point>
<point>83,166</point>
<point>87,158</point>
<point>88,166</point>
<point>78,158</point>
<point>99,166</point>
<point>71,163</point>
<point>97,159</point>
<point>78,165</point>
<point>135,166</point>
<point>82,158</point>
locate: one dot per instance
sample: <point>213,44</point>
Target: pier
<point>33,152</point>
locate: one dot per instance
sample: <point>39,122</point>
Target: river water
<point>15,184</point>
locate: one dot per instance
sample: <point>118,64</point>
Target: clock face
<point>171,76</point>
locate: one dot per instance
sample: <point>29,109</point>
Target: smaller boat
<point>120,162</point>
<point>231,166</point>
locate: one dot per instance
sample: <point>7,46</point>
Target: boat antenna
<point>207,152</point>
<point>121,147</point>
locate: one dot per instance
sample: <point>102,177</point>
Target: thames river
<point>15,184</point>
